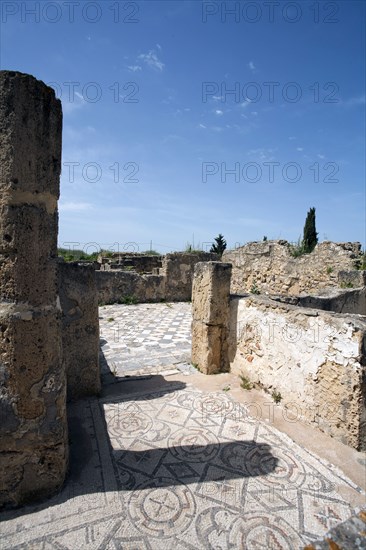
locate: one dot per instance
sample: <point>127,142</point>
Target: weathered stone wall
<point>178,268</point>
<point>269,266</point>
<point>316,360</point>
<point>173,284</point>
<point>141,263</point>
<point>117,286</point>
<point>34,450</point>
<point>210,312</point>
<point>80,328</point>
<point>352,279</point>
<point>337,300</point>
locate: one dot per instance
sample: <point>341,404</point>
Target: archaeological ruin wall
<point>173,283</point>
<point>311,360</point>
<point>80,328</point>
<point>315,361</point>
<point>140,263</point>
<point>269,267</point>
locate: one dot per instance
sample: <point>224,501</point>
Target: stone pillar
<point>33,428</point>
<point>80,328</point>
<point>210,308</point>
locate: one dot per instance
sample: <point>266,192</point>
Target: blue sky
<point>182,120</point>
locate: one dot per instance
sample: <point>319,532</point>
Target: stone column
<point>210,308</point>
<point>33,428</point>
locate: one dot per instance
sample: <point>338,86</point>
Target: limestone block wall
<point>314,359</point>
<point>337,300</point>
<point>33,428</point>
<point>270,267</point>
<point>178,268</point>
<point>141,263</point>
<point>173,284</point>
<point>80,328</point>
<point>116,286</point>
<point>210,316</point>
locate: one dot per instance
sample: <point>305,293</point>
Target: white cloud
<point>151,59</point>
<point>74,206</point>
<point>246,103</point>
<point>251,65</point>
<point>134,68</point>
<point>299,148</point>
<point>202,126</point>
<point>218,112</point>
<point>320,156</point>
<point>353,101</point>
<point>76,103</point>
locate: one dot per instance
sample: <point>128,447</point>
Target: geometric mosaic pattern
<point>180,469</point>
<point>145,338</point>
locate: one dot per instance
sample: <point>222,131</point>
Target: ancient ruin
<point>293,328</point>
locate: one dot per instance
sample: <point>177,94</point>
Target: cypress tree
<point>310,237</point>
<point>219,246</point>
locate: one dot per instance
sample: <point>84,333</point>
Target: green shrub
<point>254,289</point>
<point>245,383</point>
<point>128,300</point>
<point>276,396</point>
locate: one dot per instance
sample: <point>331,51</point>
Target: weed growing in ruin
<point>195,365</point>
<point>276,396</point>
<point>346,285</point>
<point>128,300</point>
<point>254,289</point>
<point>110,319</point>
<point>245,383</point>
<point>226,388</point>
<point>297,249</point>
<point>360,263</point>
<point>329,270</point>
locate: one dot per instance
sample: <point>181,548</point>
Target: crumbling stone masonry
<point>173,283</point>
<point>310,360</point>
<point>210,310</point>
<point>33,428</point>
<point>314,360</point>
<point>269,266</point>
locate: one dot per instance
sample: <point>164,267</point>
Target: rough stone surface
<point>33,454</point>
<point>271,268</point>
<point>117,286</point>
<point>351,279</point>
<point>178,269</point>
<point>80,329</point>
<point>172,284</point>
<point>349,535</point>
<point>315,360</point>
<point>210,311</point>
<point>334,299</point>
<point>140,263</point>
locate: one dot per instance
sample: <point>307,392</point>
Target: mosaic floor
<point>177,468</point>
<point>145,339</point>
